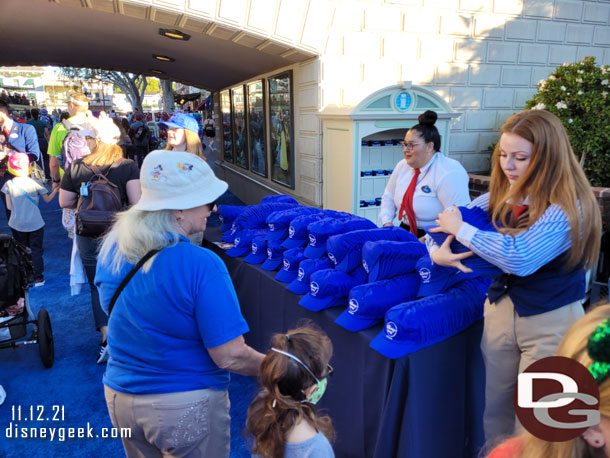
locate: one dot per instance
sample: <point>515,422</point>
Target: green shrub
<point>578,94</point>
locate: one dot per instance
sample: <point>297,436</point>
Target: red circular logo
<point>556,399</point>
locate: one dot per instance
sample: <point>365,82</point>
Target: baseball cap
<point>106,130</point>
<point>414,325</point>
<point>386,259</point>
<point>345,250</point>
<point>368,303</point>
<point>297,230</point>
<point>18,164</point>
<point>254,217</point>
<point>275,255</point>
<point>300,285</point>
<point>227,214</point>
<point>474,216</point>
<point>279,198</point>
<point>78,98</point>
<point>258,250</point>
<point>320,231</point>
<point>330,287</point>
<point>290,265</point>
<point>177,180</point>
<point>44,111</point>
<point>279,221</point>
<point>242,244</point>
<point>182,121</point>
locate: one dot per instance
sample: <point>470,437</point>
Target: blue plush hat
<point>254,217</point>
<point>290,265</point>
<point>386,259</point>
<point>345,250</point>
<point>330,287</point>
<point>414,325</point>
<point>275,255</point>
<point>436,279</point>
<point>258,252</point>
<point>242,244</point>
<point>297,230</point>
<point>182,121</point>
<point>279,222</point>
<point>279,198</point>
<point>320,231</point>
<point>300,285</point>
<point>368,303</point>
<point>474,216</point>
<point>227,214</point>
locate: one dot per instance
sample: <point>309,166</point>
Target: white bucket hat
<point>176,180</point>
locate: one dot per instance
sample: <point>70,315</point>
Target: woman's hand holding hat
<point>445,257</point>
<point>449,221</point>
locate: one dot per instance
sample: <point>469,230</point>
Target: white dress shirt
<point>442,182</point>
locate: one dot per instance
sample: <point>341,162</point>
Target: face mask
<point>318,392</point>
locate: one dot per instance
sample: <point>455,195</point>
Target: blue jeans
<point>87,248</point>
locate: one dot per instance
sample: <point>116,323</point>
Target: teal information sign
<point>402,101</point>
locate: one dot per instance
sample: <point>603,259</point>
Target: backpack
<point>98,201</point>
<point>74,146</point>
<point>16,271</point>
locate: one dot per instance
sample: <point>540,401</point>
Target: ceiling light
<point>174,34</point>
<point>163,58</point>
<point>156,72</point>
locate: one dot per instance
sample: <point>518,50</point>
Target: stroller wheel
<point>45,339</point>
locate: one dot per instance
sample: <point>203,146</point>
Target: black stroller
<point>16,273</point>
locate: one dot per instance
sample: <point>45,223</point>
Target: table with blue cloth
<point>425,405</point>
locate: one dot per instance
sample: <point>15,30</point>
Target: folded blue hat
<point>297,230</point>
<point>227,214</point>
<point>414,325</point>
<point>278,198</point>
<point>320,231</point>
<point>330,287</point>
<point>368,303</point>
<point>275,255</point>
<point>290,265</point>
<point>279,221</point>
<point>476,217</point>
<point>435,279</point>
<point>300,285</point>
<point>345,250</point>
<point>258,252</point>
<point>254,217</point>
<point>386,259</point>
<point>242,244</point>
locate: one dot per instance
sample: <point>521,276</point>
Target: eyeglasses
<point>408,146</point>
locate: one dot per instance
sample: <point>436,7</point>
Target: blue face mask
<point>318,392</point>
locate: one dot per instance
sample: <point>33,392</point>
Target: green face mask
<point>318,392</point>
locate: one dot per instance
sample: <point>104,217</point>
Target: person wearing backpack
<point>26,222</point>
<point>140,139</point>
<point>98,186</point>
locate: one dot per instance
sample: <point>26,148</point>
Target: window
<point>239,127</point>
<point>256,128</point>
<point>227,139</point>
<point>280,125</point>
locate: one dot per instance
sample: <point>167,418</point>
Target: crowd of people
<point>172,331</point>
<point>16,98</point>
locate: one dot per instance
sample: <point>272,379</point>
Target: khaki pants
<point>510,344</point>
<point>190,424</point>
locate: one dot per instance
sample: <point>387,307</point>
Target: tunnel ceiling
<point>124,35</point>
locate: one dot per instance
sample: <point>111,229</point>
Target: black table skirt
<point>428,404</point>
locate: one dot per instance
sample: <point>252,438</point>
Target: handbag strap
<point>23,192</point>
<point>129,276</point>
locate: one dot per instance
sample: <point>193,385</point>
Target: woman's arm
<point>236,356</point>
<point>453,189</point>
<point>9,202</point>
<point>67,199</point>
<point>134,191</point>
<point>388,208</point>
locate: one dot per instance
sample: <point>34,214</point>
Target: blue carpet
<point>73,385</point>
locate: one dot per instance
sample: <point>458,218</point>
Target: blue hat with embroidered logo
<point>290,265</point>
<point>182,121</point>
<point>279,198</point>
<point>320,231</point>
<point>258,252</point>
<point>227,214</point>
<point>474,216</point>
<point>279,221</point>
<point>368,303</point>
<point>300,285</point>
<point>414,325</point>
<point>345,250</point>
<point>386,259</point>
<point>242,244</point>
<point>275,255</point>
<point>297,230</point>
<point>254,217</point>
<point>330,287</point>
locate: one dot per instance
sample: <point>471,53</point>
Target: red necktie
<point>517,211</point>
<point>407,203</point>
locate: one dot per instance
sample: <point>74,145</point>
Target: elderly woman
<point>176,328</point>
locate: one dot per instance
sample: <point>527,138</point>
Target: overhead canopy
<point>124,34</point>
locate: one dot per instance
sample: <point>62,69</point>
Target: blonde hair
<point>193,144</point>
<point>80,102</point>
<point>573,345</point>
<point>104,154</point>
<point>136,232</point>
<point>553,177</point>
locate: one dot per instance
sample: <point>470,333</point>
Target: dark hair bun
<point>428,118</point>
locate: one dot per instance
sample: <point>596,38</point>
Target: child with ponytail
<point>282,419</point>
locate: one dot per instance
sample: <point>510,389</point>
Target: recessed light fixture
<point>174,34</point>
<point>156,72</point>
<point>163,58</point>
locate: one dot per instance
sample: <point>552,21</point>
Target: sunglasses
<point>212,205</point>
<point>329,371</point>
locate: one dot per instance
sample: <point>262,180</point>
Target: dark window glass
<point>227,139</point>
<point>256,126</point>
<point>280,124</point>
<point>239,127</point>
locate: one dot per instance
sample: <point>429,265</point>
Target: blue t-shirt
<point>316,447</point>
<point>165,319</point>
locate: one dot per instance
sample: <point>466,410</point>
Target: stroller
<point>16,273</point>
